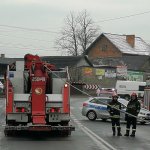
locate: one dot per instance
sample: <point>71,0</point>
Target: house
<point>70,61</point>
<point>76,65</point>
<point>4,62</point>
<point>120,50</point>
<point>113,45</point>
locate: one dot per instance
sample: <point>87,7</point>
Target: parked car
<point>96,108</point>
<point>105,92</point>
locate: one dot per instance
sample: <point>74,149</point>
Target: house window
<point>104,47</point>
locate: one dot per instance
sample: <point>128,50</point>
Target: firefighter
<point>115,114</point>
<point>133,108</point>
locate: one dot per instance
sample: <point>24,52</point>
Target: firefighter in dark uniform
<point>133,108</point>
<point>115,114</point>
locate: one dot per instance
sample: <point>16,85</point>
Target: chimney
<point>2,56</point>
<point>131,40</point>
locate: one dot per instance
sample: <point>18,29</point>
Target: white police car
<point>105,92</point>
<point>96,108</point>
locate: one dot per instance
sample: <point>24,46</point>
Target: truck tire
<point>65,133</point>
<point>8,133</point>
<point>92,115</point>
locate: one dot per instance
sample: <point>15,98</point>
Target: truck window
<point>59,74</point>
<point>122,86</point>
<point>141,88</point>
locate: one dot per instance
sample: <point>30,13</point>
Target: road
<point>89,135</point>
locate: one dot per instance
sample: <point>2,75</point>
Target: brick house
<point>110,51</point>
<point>115,46</point>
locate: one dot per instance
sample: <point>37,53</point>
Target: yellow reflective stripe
<point>133,129</point>
<point>127,129</point>
<point>115,116</point>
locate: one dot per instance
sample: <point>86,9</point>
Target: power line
<point>29,29</point>
<point>122,17</point>
<point>19,46</point>
<point>42,30</point>
<point>7,35</point>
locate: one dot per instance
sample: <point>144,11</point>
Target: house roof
<point>63,61</point>
<point>9,60</point>
<point>140,48</point>
<point>126,60</point>
<point>136,62</point>
<point>58,61</point>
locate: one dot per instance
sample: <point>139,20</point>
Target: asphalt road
<point>89,135</point>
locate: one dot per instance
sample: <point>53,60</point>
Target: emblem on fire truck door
<point>38,91</point>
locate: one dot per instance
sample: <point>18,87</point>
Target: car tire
<point>104,119</point>
<point>142,123</point>
<point>91,115</point>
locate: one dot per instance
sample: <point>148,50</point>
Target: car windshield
<point>123,101</point>
<point>105,94</point>
<point>103,101</point>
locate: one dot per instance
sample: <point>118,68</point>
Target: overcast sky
<point>48,15</point>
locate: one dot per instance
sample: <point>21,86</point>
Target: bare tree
<point>78,33</point>
<point>68,39</point>
<point>87,30</point>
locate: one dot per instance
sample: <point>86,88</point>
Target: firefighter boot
<point>119,131</point>
<point>114,131</point>
<point>133,133</point>
<point>127,133</point>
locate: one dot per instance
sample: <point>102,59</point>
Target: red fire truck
<point>37,97</point>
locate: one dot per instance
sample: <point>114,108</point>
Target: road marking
<point>101,143</point>
<point>80,108</point>
<point>71,107</point>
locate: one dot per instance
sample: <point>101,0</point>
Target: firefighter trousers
<point>131,121</point>
<point>115,121</point>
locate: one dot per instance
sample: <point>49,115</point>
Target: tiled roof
<point>140,48</point>
<point>136,62</point>
<point>119,41</point>
<point>9,60</point>
<point>61,61</point>
<point>131,61</point>
<point>58,61</point>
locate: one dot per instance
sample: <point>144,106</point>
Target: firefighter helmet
<point>115,95</point>
<point>134,94</point>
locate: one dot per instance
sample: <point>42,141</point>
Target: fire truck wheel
<point>65,133</point>
<point>64,123</point>
<point>7,133</point>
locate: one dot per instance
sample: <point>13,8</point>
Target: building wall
<point>103,48</point>
<point>103,77</point>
